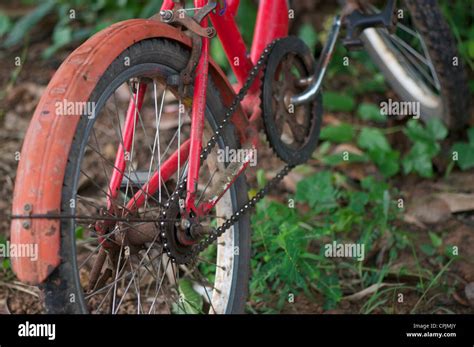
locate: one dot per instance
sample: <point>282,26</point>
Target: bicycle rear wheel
<point>135,275</point>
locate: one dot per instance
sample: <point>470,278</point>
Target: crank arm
<point>316,80</point>
<point>356,21</point>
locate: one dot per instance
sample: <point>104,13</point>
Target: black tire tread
<point>442,48</point>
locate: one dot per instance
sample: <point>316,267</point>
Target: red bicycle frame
<point>272,23</point>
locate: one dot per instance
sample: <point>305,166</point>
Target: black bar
<point>314,330</point>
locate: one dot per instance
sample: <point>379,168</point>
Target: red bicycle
<point>123,181</point>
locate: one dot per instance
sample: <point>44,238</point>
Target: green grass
<point>288,248</point>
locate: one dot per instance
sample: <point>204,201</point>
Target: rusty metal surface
<point>178,16</point>
<point>47,143</point>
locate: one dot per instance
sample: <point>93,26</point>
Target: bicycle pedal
<point>352,44</point>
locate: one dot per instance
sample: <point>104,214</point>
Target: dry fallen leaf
<point>330,119</point>
<point>4,307</point>
<point>346,147</point>
<point>458,202</point>
<point>429,209</point>
<point>469,291</point>
<point>460,299</point>
<point>291,180</point>
<point>457,182</point>
<point>369,290</point>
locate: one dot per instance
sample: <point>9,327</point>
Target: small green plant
<point>289,256</point>
<point>5,264</point>
<point>370,112</point>
<point>464,152</point>
<point>425,146</point>
<point>338,102</point>
<point>379,151</point>
<point>189,302</point>
<point>75,20</point>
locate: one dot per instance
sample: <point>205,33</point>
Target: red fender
<point>47,143</point>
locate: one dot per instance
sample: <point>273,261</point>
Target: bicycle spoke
<point>126,176</point>
<point>410,57</point>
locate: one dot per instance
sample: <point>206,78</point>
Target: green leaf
<point>418,160</point>
<point>308,35</point>
<point>329,285</point>
<point>62,35</point>
<point>373,139</point>
<point>465,154</point>
<point>5,23</point>
<point>379,150</point>
<point>218,54</point>
<point>470,135</point>
<point>190,301</point>
<point>357,202</point>
<point>370,112</point>
<point>436,129</point>
<point>425,146</point>
<point>338,102</point>
<point>150,8</point>
<point>428,250</point>
<point>246,17</point>
<point>386,162</point>
<point>338,133</point>
<point>79,233</point>
<point>344,219</point>
<point>318,191</point>
<point>374,84</point>
<point>415,131</point>
<point>470,48</point>
<point>389,165</point>
<point>435,239</point>
<point>465,151</point>
<point>6,264</point>
<point>386,204</point>
<point>23,25</point>
<point>376,188</point>
<point>261,179</point>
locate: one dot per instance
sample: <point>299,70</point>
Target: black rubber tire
<point>442,48</point>
<point>62,290</point>
<point>441,45</point>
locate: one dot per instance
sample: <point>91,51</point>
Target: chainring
<point>292,131</point>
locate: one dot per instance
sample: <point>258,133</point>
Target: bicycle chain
<point>175,196</point>
<point>216,233</point>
